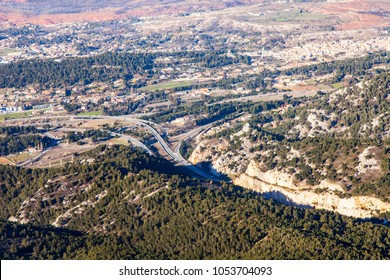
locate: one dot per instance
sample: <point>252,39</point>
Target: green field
<point>92,113</point>
<point>337,85</point>
<point>311,82</point>
<point>168,85</point>
<point>15,116</point>
<point>21,115</point>
<point>297,16</point>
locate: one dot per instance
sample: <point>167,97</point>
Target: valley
<point>195,129</point>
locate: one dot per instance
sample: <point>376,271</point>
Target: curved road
<point>175,155</point>
<point>133,141</point>
<point>42,153</point>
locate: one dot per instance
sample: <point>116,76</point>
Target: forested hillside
<point>118,206</point>
<point>15,139</point>
<point>341,137</point>
<point>102,68</point>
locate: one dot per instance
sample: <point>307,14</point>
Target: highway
<point>42,153</point>
<point>31,160</point>
<point>191,134</point>
<point>174,155</point>
<point>133,141</point>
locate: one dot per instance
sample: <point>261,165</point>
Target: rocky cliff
<point>326,195</point>
<point>282,187</point>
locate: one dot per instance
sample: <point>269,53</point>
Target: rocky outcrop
<point>221,160</point>
<point>327,195</point>
<point>280,185</point>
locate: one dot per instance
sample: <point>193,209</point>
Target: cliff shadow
<point>205,167</point>
<point>209,168</point>
<point>376,221</point>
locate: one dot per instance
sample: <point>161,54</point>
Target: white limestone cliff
<point>280,186</point>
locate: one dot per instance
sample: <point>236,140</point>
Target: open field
<point>117,141</point>
<point>64,153</point>
<point>337,85</point>
<point>15,116</point>
<point>168,85</point>
<point>4,160</point>
<point>357,14</point>
<point>93,113</point>
<point>21,115</point>
<point>96,124</point>
<point>22,157</point>
<point>296,15</point>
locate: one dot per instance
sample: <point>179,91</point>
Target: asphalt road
<point>175,155</point>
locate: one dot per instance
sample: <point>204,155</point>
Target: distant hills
<point>38,11</point>
<point>63,6</point>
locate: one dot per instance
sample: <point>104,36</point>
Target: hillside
<point>49,12</point>
<point>331,151</point>
<point>118,206</point>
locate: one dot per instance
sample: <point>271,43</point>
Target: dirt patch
<point>97,124</point>
<point>358,14</point>
<point>21,19</point>
<point>4,161</point>
<point>109,11</point>
<point>62,154</point>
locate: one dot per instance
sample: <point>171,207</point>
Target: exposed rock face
<point>280,186</point>
<point>367,164</point>
<point>222,161</point>
<point>240,165</point>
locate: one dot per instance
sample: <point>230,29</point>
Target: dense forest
<point>213,112</point>
<point>10,130</point>
<point>353,66</point>
<point>132,211</point>
<point>106,67</point>
<point>356,67</point>
<point>94,134</point>
<point>16,144</point>
<point>70,71</point>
